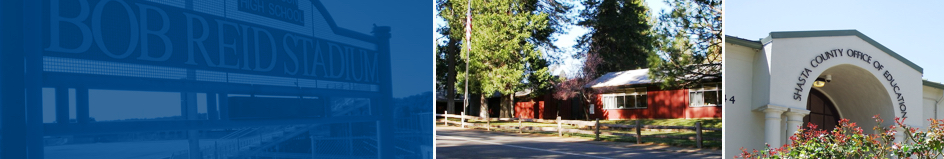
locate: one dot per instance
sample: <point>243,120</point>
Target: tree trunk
<point>483,101</point>
<point>451,75</point>
<point>589,101</point>
<point>507,106</point>
<point>586,111</point>
<point>511,102</point>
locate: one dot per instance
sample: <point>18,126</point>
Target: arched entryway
<point>777,72</point>
<point>855,94</point>
<point>822,111</point>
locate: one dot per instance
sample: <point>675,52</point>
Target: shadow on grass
<point>648,140</point>
<point>708,123</point>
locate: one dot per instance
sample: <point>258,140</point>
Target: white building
<point>770,86</point>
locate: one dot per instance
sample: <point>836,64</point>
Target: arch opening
<point>822,109</point>
<point>857,95</point>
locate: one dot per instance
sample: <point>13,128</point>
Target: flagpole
<point>468,39</point>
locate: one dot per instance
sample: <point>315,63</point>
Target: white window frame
<point>609,100</point>
<point>710,87</point>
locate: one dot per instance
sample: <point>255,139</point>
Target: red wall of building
<point>528,109</point>
<point>543,107</point>
<point>662,104</point>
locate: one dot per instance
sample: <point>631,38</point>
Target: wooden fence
<point>698,138</point>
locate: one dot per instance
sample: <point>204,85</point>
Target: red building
<point>629,95</point>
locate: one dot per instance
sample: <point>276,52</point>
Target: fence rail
<point>578,123</point>
<point>698,138</point>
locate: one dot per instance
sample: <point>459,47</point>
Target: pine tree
<point>689,46</point>
<point>619,32</point>
<point>619,39</point>
<point>508,37</point>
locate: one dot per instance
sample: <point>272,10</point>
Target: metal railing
<point>239,141</point>
<point>413,130</point>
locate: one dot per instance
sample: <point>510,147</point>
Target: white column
<point>794,121</point>
<point>900,135</point>
<point>772,125</point>
<point>314,148</point>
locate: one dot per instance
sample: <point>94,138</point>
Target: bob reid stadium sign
<point>149,33</point>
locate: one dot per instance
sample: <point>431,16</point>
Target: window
<point>628,98</point>
<point>707,95</point>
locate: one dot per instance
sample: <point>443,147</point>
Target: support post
<point>900,135</point>
<point>82,105</point>
<point>34,108</point>
<point>212,114</point>
<point>12,83</point>
<point>314,152</point>
<point>794,121</point>
<point>462,120</point>
<point>597,127</point>
<point>638,132</point>
<point>446,116</point>
<point>698,137</point>
<point>224,106</point>
<point>772,124</point>
<point>488,124</point>
<point>386,141</point>
<point>560,128</point>
<point>62,106</point>
<point>189,111</point>
<point>32,47</point>
<point>520,127</point>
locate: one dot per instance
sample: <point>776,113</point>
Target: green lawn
<point>508,123</point>
<point>659,141</point>
<point>648,140</point>
<point>708,123</point>
<point>504,123</point>
<point>707,134</point>
<point>664,122</point>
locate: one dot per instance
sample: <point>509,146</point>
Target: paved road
<point>452,142</point>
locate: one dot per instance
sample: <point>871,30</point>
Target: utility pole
<point>468,44</point>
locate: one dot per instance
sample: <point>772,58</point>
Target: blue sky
<point>910,28</point>
<point>566,40</point>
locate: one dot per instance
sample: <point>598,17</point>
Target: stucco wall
<point>933,99</point>
<point>782,72</point>
<point>790,56</point>
<point>742,126</point>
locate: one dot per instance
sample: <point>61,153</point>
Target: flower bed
<point>848,141</point>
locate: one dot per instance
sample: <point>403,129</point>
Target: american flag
<point>468,26</point>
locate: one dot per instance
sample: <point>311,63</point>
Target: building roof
<point>441,96</point>
<point>629,77</point>
<point>524,92</point>
<point>743,42</point>
<point>932,84</point>
<point>819,33</point>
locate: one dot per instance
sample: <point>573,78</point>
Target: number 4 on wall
<point>730,99</point>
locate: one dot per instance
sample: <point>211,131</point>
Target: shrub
<point>847,140</point>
